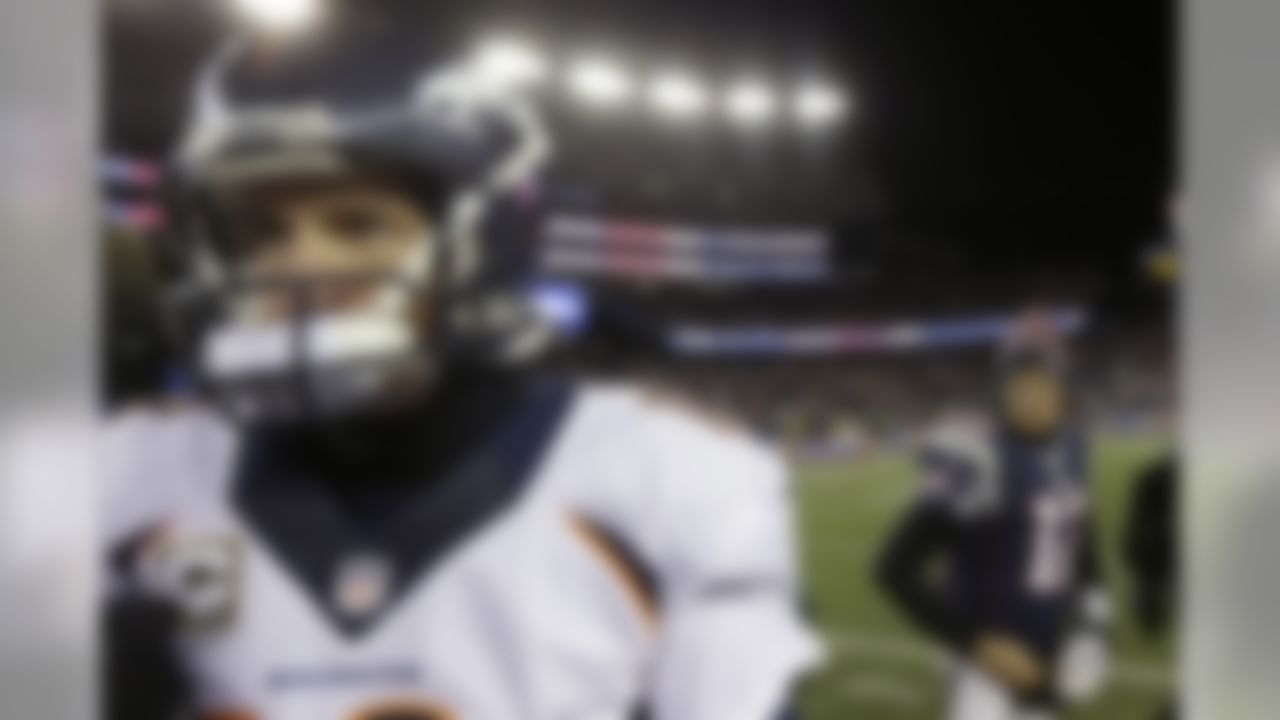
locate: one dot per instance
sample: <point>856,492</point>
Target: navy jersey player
<point>1005,507</point>
<point>380,513</point>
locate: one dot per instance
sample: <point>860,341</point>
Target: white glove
<point>1095,608</point>
<point>1083,667</point>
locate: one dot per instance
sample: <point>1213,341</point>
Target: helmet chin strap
<point>327,362</point>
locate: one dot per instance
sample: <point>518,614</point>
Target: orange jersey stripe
<point>621,564</point>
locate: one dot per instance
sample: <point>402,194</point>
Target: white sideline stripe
<point>884,690</point>
<point>916,652</point>
<point>843,546</point>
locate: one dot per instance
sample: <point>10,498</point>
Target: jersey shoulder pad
<point>666,426</point>
<point>157,461</point>
<point>703,498</point>
<point>959,469</point>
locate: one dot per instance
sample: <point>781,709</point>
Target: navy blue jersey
<point>1020,515</point>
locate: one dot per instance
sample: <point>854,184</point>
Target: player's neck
<point>372,462</point>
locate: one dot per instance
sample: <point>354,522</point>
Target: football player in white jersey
<point>378,515</point>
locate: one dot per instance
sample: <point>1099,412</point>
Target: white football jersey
<point>646,562</point>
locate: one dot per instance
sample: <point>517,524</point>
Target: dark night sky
<point>974,117</point>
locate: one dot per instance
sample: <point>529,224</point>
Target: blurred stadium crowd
<point>917,341</point>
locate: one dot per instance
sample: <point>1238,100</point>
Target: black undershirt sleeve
<point>922,535</point>
<point>142,677</point>
<point>1088,570</point>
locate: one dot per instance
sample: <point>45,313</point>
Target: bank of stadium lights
<point>750,103</point>
<point>817,104</point>
<point>678,95</point>
<point>279,15</point>
<point>511,61</point>
<point>598,81</point>
<point>602,82</point>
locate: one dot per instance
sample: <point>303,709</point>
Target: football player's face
<point>1034,401</point>
<point>338,242</point>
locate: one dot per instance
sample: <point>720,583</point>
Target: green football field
<point>879,667</point>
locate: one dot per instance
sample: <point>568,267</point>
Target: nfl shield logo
<point>362,585</point>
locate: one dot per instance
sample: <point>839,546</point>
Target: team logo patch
<point>362,585</point>
<point>204,574</point>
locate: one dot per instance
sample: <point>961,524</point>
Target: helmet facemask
<point>320,300</point>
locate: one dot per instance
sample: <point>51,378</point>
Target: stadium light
<point>818,104</point>
<point>600,82</point>
<point>750,102</point>
<point>678,95</point>
<point>511,61</point>
<point>278,14</point>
